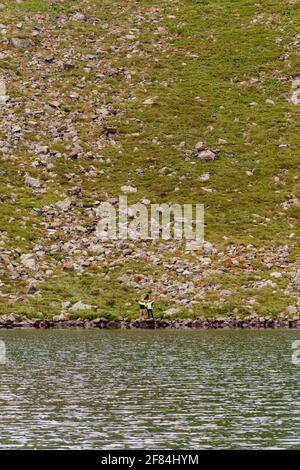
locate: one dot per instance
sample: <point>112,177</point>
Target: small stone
<point>128,189</point>
<point>283,146</point>
<point>276,274</point>
<point>80,306</point>
<point>58,318</point>
<point>32,289</point>
<point>204,177</point>
<point>68,266</point>
<point>68,66</point>
<point>64,205</point>
<point>75,191</point>
<point>19,43</point>
<point>42,149</point>
<point>172,311</point>
<point>78,17</point>
<point>149,101</point>
<point>33,183</point>
<point>29,261</point>
<point>206,155</point>
<point>54,104</point>
<point>291,309</point>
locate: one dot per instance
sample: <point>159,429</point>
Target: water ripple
<point>149,390</point>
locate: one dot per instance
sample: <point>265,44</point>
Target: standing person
<point>149,307</point>
<point>142,305</point>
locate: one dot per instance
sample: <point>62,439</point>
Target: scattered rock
<point>32,289</point>
<point>78,17</point>
<point>29,261</point>
<point>276,275</point>
<point>60,321</point>
<point>148,101</point>
<point>59,318</point>
<point>128,189</point>
<point>64,205</point>
<point>80,306</point>
<point>33,183</point>
<point>204,177</point>
<point>20,43</point>
<point>172,311</point>
<point>68,266</point>
<point>204,153</point>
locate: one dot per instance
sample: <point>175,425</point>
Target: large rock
<point>21,43</point>
<point>29,261</point>
<point>33,183</point>
<point>58,318</point>
<point>173,311</point>
<point>204,153</point>
<point>78,17</point>
<point>64,205</point>
<point>80,306</point>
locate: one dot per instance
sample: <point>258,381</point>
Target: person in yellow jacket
<point>143,309</point>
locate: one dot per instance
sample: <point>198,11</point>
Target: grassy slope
<point>204,62</point>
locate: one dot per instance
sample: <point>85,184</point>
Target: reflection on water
<point>149,390</point>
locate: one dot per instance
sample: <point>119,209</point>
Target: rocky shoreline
<point>252,322</point>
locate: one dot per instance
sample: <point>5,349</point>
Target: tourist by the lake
<point>143,309</point>
<point>149,307</point>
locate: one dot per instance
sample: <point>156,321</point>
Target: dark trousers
<point>150,313</point>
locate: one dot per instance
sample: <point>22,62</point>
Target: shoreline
<point>200,323</point>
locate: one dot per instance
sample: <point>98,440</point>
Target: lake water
<point>149,389</point>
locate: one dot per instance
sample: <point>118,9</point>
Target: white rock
<point>64,205</point>
<point>208,248</point>
<point>20,43</point>
<point>204,177</point>
<point>78,17</point>
<point>200,146</point>
<point>80,306</point>
<point>33,183</point>
<point>149,101</point>
<point>206,155</point>
<point>172,311</point>
<point>60,317</point>
<point>193,245</point>
<point>29,261</point>
<point>128,189</point>
<point>276,274</point>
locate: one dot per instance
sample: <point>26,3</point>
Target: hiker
<point>149,307</point>
<point>142,305</point>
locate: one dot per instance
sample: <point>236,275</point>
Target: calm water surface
<point>149,390</point>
